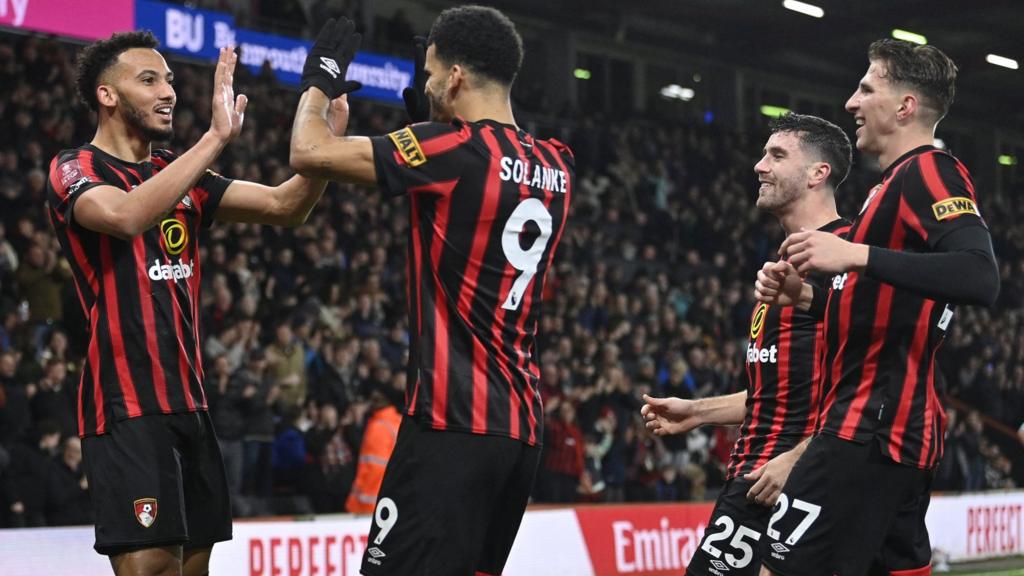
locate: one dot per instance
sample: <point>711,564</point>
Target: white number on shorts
<point>526,261</point>
<point>812,511</point>
<point>724,534</point>
<point>783,506</point>
<point>385,524</point>
<point>737,542</point>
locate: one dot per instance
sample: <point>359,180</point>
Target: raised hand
<point>327,63</point>
<point>228,110</point>
<point>415,96</point>
<point>664,416</point>
<point>337,115</point>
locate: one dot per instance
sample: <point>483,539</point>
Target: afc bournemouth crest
<point>145,511</point>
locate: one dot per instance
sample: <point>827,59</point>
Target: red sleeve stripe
<point>437,145</point>
<point>447,142</point>
<point>932,179</point>
<point>968,182</point>
<point>124,374</point>
<point>910,379</point>
<point>149,324</point>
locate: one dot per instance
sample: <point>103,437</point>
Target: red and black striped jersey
<point>488,204</point>
<point>783,379</point>
<point>140,295</point>
<point>881,341</point>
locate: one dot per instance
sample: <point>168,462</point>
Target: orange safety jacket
<point>378,443</point>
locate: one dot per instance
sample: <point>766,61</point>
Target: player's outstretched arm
<point>315,151</point>
<point>770,478</point>
<point>287,204</point>
<point>110,210</point>
<point>664,416</point>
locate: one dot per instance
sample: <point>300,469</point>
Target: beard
<point>136,120</point>
<point>437,110</point>
<point>783,194</point>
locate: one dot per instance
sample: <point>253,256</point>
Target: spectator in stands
<point>563,456</point>
<point>378,443</point>
<point>260,393</point>
<point>67,491</point>
<point>225,395</point>
<point>287,363</point>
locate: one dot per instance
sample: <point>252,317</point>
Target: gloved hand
<point>416,104</point>
<point>327,63</point>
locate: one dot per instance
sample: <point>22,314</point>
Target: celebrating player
<point>918,246</point>
<point>128,219</point>
<point>805,160</point>
<point>487,204</point>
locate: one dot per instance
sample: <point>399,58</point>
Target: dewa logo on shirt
<point>175,235</point>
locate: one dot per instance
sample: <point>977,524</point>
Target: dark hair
<point>97,57</point>
<point>479,38</point>
<point>821,137</point>
<point>925,69</point>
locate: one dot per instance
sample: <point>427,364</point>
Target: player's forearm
<point>963,271</point>
<point>295,198</point>
<point>724,410</point>
<point>316,152</point>
<point>147,203</point>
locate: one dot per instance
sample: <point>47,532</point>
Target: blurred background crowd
<point>305,337</point>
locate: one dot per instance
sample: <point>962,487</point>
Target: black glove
<point>327,63</point>
<point>415,96</point>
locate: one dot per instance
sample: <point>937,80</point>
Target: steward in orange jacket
<point>378,443</point>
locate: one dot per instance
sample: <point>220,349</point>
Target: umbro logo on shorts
<point>720,565</point>
<point>779,547</point>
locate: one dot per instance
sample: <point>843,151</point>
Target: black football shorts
<point>450,503</point>
<point>730,542</point>
<point>157,480</point>
<point>847,510</point>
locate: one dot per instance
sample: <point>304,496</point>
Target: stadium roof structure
<point>763,34</point>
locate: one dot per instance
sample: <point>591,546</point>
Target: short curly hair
<point>479,38</point>
<point>97,57</point>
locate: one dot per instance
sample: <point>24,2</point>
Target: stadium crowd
<point>305,336</point>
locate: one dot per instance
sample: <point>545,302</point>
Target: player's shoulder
<point>68,155</point>
<point>561,147</point>
<point>162,156</point>
<point>936,161</point>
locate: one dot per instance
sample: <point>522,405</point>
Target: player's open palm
<point>228,110</point>
<point>664,416</point>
